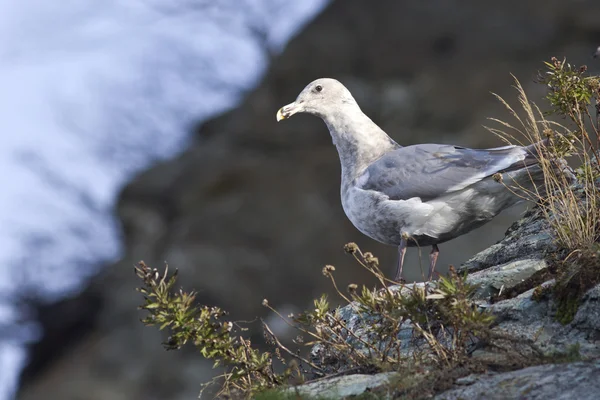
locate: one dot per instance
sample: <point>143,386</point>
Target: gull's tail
<point>532,173</point>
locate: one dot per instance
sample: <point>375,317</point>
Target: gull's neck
<point>359,141</point>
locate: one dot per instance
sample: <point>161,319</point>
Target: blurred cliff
<point>251,209</point>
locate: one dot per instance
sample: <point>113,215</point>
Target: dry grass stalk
<point>573,211</point>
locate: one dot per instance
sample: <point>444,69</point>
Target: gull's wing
<point>429,171</point>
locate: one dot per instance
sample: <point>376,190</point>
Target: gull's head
<point>319,98</point>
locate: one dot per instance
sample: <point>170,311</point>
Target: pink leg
<point>401,253</point>
<point>433,256</point>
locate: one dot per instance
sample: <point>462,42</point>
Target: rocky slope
<point>552,381</point>
<point>528,318</point>
<point>251,209</point>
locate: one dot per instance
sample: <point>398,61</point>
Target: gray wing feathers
<point>430,170</point>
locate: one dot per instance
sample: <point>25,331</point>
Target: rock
<point>530,325</point>
<point>525,328</point>
<point>587,318</point>
<point>534,322</point>
<point>467,380</point>
<point>251,209</point>
<point>494,280</point>
<point>529,238</point>
<point>579,380</point>
<point>343,386</point>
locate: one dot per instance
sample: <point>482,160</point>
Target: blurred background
<point>144,129</point>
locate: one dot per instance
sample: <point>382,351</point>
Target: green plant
<point>249,369</point>
<point>442,318</point>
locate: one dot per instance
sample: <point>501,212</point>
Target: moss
<point>571,354</point>
<point>579,273</point>
<point>541,293</point>
<point>566,310</point>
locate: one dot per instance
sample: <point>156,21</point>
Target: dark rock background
<point>251,209</point>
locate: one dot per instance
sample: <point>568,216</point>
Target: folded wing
<point>429,171</point>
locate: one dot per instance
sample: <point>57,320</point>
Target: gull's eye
<point>318,88</point>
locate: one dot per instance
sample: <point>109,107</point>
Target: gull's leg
<point>401,252</point>
<point>433,256</point>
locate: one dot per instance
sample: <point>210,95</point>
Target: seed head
<point>371,260</point>
<point>328,269</point>
<point>351,248</point>
<point>352,288</point>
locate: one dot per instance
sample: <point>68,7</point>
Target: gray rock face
<point>579,380</point>
<point>495,279</point>
<point>528,238</point>
<point>533,321</point>
<point>587,318</point>
<point>343,386</point>
<point>252,209</point>
<point>530,324</point>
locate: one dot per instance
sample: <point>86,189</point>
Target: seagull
<point>419,195</point>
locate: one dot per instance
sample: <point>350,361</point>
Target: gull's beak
<point>287,111</point>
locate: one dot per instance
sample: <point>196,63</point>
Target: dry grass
<point>573,210</point>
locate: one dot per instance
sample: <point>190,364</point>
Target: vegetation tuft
<point>248,369</point>
<point>439,320</point>
<point>569,198</point>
